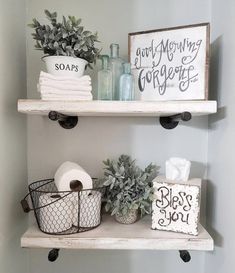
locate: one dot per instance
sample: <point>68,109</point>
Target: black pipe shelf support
<point>53,254</point>
<point>171,122</point>
<point>67,122</point>
<point>185,255</point>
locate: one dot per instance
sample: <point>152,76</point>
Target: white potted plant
<point>68,48</point>
<point>129,190</point>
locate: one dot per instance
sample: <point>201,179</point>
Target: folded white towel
<point>70,94</point>
<point>64,86</point>
<point>54,87</point>
<point>46,76</point>
<point>52,90</point>
<point>65,98</point>
<point>71,82</point>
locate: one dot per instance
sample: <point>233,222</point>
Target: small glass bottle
<point>126,84</point>
<point>116,68</point>
<point>105,80</point>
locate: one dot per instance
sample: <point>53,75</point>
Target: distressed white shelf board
<point>117,108</point>
<point>112,235</point>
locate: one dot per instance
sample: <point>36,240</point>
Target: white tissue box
<point>177,205</point>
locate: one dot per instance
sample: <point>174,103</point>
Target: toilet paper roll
<point>177,169</point>
<point>87,211</point>
<point>70,176</point>
<point>55,217</point>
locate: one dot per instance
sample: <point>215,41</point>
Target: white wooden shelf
<point>117,108</point>
<point>112,235</point>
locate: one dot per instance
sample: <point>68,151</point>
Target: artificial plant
<point>128,186</point>
<point>66,38</point>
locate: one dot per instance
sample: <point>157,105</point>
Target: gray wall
<point>98,138</point>
<point>13,178</point>
<point>221,190</point>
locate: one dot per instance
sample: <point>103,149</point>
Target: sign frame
<point>142,95</point>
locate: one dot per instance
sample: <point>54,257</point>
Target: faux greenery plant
<point>67,38</point>
<point>128,186</point>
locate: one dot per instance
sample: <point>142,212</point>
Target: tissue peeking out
<point>177,169</point>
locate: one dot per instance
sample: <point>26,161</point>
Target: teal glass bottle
<point>116,68</point>
<point>126,83</point>
<point>105,80</point>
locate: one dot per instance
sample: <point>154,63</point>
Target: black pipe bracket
<point>53,254</point>
<point>171,122</point>
<point>67,122</point>
<point>185,255</point>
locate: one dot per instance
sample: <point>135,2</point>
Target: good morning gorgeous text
<point>169,203</point>
<point>160,64</point>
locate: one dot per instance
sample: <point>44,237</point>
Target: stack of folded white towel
<point>53,87</point>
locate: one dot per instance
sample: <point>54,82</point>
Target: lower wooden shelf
<point>111,235</point>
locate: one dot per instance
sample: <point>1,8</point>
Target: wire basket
<point>64,212</point>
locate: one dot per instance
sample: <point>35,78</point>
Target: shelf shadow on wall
<point>215,69</point>
<point>214,118</point>
<point>210,212</point>
<point>198,169</point>
<point>215,81</point>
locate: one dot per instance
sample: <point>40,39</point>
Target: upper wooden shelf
<point>117,108</point>
<point>112,235</point>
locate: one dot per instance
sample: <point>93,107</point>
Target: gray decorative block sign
<point>176,206</point>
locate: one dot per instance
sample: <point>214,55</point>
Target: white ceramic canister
<point>65,66</point>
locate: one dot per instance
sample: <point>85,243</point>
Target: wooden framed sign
<point>176,206</point>
<point>171,64</point>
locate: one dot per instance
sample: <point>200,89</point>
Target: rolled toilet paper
<point>57,215</point>
<point>177,169</point>
<point>70,176</point>
<point>87,210</point>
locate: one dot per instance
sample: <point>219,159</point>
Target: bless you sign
<point>170,64</point>
<point>176,206</point>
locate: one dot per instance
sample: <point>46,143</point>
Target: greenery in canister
<point>128,186</point>
<point>67,38</point>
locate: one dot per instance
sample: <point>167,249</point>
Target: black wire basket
<point>64,212</point>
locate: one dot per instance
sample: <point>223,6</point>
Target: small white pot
<point>65,66</point>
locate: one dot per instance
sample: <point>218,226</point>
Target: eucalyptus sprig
<point>128,186</point>
<point>66,38</point>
